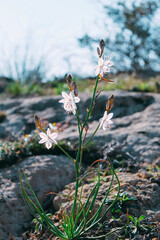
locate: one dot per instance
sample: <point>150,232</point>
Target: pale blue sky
<point>51,29</point>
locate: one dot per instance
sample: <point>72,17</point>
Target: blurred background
<point>42,41</point>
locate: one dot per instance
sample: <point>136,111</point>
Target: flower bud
<point>76,91</point>
<point>86,127</point>
<point>38,122</point>
<point>110,103</point>
<point>75,88</point>
<point>102,45</point>
<point>69,79</point>
<point>98,51</point>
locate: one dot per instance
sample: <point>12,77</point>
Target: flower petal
<point>54,141</point>
<point>48,144</point>
<point>72,96</point>
<point>42,140</point>
<point>97,71</point>
<point>65,95</point>
<point>48,132</point>
<point>110,115</point>
<point>100,125</point>
<point>73,111</point>
<point>50,125</point>
<point>77,99</point>
<point>108,63</point>
<point>74,105</point>
<point>43,135</point>
<point>110,122</point>
<point>63,100</point>
<point>104,126</point>
<point>105,114</point>
<point>53,136</point>
<point>100,62</point>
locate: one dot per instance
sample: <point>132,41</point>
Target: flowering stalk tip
<point>102,45</point>
<point>104,66</point>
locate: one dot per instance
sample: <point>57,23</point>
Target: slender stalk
<point>91,136</point>
<point>90,109</point>
<point>73,160</point>
<point>80,162</point>
<point>80,146</point>
<point>79,121</point>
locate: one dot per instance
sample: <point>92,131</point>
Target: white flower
<point>105,121</point>
<point>70,101</point>
<point>27,137</point>
<point>103,66</point>
<point>52,126</point>
<point>48,138</point>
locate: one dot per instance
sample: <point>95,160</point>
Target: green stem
<point>73,160</point>
<point>91,136</point>
<point>80,146</point>
<point>90,109</point>
<point>80,163</point>
<point>79,122</point>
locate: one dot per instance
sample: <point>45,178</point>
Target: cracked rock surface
<point>134,141</point>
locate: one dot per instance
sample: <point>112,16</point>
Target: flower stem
<point>79,122</point>
<point>73,160</point>
<point>93,97</point>
<point>91,136</point>
<point>77,164</point>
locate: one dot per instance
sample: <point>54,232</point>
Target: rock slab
<point>45,173</point>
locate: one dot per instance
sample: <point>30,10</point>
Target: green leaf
<point>34,220</point>
<point>37,227</point>
<point>141,218</point>
<point>131,218</point>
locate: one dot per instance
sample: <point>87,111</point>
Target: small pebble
<point>157,216</point>
<point>144,174</point>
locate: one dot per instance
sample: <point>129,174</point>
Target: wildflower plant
<point>79,221</point>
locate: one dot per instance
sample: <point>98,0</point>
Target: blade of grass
<point>44,216</point>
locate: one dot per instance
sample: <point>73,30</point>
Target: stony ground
<point>134,148</point>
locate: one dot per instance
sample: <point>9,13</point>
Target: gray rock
<point>157,216</point>
<point>20,112</point>
<point>135,137</point>
<point>144,174</point>
<point>45,173</point>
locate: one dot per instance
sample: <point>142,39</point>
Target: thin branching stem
<point>91,136</point>
<point>73,160</point>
